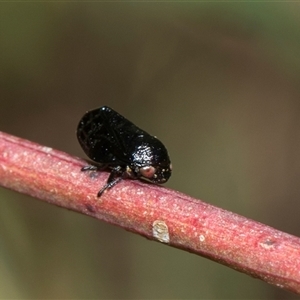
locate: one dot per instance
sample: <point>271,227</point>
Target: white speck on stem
<point>46,149</point>
<point>201,238</point>
<point>160,231</point>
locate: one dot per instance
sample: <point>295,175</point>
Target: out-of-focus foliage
<point>217,82</point>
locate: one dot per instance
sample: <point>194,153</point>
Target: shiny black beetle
<point>113,142</point>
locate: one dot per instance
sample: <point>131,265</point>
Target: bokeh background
<point>217,82</point>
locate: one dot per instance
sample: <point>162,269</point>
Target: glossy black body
<point>112,141</point>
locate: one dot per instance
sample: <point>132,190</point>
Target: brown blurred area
<point>218,83</point>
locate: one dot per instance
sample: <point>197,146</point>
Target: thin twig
<point>154,212</point>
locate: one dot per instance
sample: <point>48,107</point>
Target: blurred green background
<point>217,82</point>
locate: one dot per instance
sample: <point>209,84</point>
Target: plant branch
<point>154,212</point>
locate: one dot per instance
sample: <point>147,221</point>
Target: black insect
<point>113,142</point>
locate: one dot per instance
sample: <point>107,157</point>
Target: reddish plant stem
<point>152,211</point>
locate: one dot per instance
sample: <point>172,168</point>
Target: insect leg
<point>93,168</point>
<point>89,168</point>
<point>109,185</point>
<point>112,179</point>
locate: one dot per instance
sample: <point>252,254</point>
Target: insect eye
<point>148,171</point>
